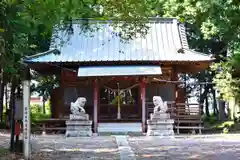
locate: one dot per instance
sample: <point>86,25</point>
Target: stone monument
<point>160,123</point>
<point>78,124</point>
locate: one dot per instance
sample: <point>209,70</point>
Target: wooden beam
<point>143,99</point>
<point>95,106</point>
<point>175,78</point>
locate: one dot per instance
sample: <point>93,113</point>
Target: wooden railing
<point>50,125</point>
<point>185,115</point>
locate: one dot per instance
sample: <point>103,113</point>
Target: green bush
<point>3,125</point>
<point>212,119</point>
<point>37,113</point>
<point>35,108</point>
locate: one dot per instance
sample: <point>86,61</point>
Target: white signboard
<point>26,118</point>
<point>18,109</point>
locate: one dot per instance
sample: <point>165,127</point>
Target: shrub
<point>212,119</point>
<point>36,113</point>
<point>3,125</point>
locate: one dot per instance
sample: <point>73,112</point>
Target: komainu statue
<point>78,124</point>
<point>78,106</point>
<point>160,106</point>
<point>160,122</point>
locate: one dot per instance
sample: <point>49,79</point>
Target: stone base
<point>70,133</point>
<point>159,116</point>
<point>79,126</point>
<point>164,133</point>
<point>81,116</point>
<point>160,124</point>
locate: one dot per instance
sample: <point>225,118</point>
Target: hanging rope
<point>121,90</point>
<point>179,82</point>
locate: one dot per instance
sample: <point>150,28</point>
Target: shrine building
<point>120,77</point>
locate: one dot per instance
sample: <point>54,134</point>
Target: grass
<point>223,127</point>
<point>3,151</point>
<point>225,124</point>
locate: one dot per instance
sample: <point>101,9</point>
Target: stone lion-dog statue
<point>77,107</point>
<point>159,105</point>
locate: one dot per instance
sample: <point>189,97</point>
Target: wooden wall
<point>165,90</point>
<point>72,87</point>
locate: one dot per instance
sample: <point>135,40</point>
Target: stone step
<point>160,116</point>
<point>78,123</point>
<point>79,128</point>
<point>81,116</point>
<point>160,133</point>
<point>121,133</point>
<point>78,133</point>
<point>167,121</point>
<point>119,127</point>
<point>160,127</point>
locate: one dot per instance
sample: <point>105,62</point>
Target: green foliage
<point>45,85</point>
<point>3,125</point>
<point>35,108</point>
<point>26,26</point>
<point>225,130</point>
<point>36,112</point>
<point>226,124</point>
<point>213,27</point>
<point>228,84</point>
<point>3,151</point>
<point>212,119</point>
<point>214,18</point>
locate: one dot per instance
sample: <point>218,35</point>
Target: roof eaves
<point>210,56</point>
<point>151,19</point>
<point>55,51</point>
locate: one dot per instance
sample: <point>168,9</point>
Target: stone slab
<point>126,153</point>
<point>81,116</point>
<point>78,133</point>
<point>78,123</point>
<point>160,116</point>
<point>167,121</point>
<point>160,127</point>
<point>79,128</point>
<point>160,133</point>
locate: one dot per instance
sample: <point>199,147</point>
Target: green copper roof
<point>164,39</point>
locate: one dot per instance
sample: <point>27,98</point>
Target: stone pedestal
<point>79,126</point>
<point>160,124</point>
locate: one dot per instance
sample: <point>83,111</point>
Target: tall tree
<point>26,25</point>
<point>213,27</point>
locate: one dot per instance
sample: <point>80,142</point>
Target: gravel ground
<point>61,148</point>
<point>153,148</point>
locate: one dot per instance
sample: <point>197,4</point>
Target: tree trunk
<point>2,85</point>
<point>221,106</point>
<point>215,109</point>
<point>203,97</point>
<point>43,107</point>
<point>6,96</point>
<point>12,96</point>
<point>12,106</point>
<point>201,100</point>
<point>207,107</point>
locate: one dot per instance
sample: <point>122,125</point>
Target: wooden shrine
<point>119,86</point>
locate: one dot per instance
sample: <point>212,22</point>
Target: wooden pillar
<point>175,78</point>
<point>95,106</point>
<point>143,99</point>
<point>26,115</point>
